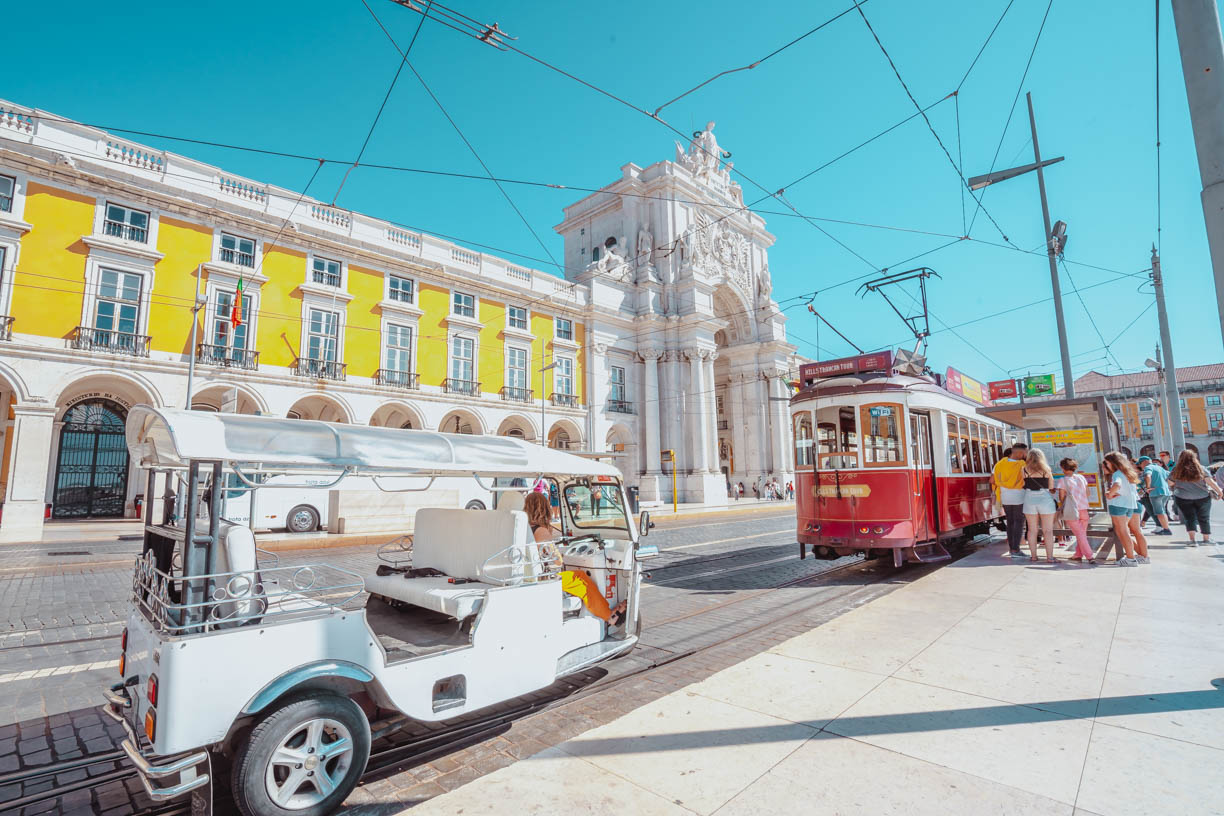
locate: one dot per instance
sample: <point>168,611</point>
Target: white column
<point>711,411</point>
<point>27,474</point>
<point>674,404</point>
<point>697,414</point>
<point>739,435</point>
<point>650,410</point>
<point>781,426</point>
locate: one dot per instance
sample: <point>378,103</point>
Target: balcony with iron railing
<point>227,357</point>
<point>1146,437</point>
<point>397,379</point>
<point>511,393</point>
<point>6,327</point>
<point>235,257</point>
<point>467,388</point>
<point>319,369</point>
<point>620,406</point>
<point>325,278</point>
<point>564,400</point>
<point>87,338</point>
<point>118,229</point>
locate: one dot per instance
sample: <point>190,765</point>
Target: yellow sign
<point>858,491</point>
<point>1078,436</point>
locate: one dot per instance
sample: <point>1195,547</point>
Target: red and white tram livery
<point>889,462</point>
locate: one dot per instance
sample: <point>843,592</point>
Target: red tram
<point>889,462</point>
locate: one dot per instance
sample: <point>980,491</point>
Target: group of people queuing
<point>1033,499</point>
<point>770,489</point>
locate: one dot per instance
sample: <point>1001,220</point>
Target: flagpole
<point>195,321</point>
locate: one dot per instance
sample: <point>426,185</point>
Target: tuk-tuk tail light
<point>151,691</point>
<point>123,640</point>
<point>122,664</point>
<point>150,725</point>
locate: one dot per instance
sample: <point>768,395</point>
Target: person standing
<point>1009,482</point>
<point>1155,480</point>
<point>1039,505</point>
<point>1193,489</point>
<point>1073,492</point>
<point>1122,499</point>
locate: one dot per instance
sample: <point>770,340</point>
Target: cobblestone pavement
<point>60,617</point>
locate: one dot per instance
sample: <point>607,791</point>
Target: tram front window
<point>804,453</point>
<point>596,505</point>
<point>882,443</point>
<point>836,438</point>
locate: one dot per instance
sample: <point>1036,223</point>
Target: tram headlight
<point>877,530</point>
<point>864,530</point>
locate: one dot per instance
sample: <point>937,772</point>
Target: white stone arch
<point>731,305</point>
<point>397,414</point>
<point>13,380</point>
<point>463,420</point>
<point>131,387</point>
<point>325,407</point>
<point>565,433</point>
<point>517,422</point>
<point>209,395</point>
<point>622,444</point>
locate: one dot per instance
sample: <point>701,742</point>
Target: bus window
<point>882,431</point>
<point>965,442</point>
<point>954,462</point>
<point>976,444</point>
<point>836,437</point>
<point>804,455</point>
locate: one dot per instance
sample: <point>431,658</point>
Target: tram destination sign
<point>877,361</point>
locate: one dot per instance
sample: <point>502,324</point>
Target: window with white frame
<point>400,289</point>
<point>565,329</point>
<point>1145,407</point>
<point>1215,421</point>
<point>463,305</point>
<point>617,384</point>
<point>1214,399</point>
<point>565,375</point>
<point>1185,423</point>
<point>326,272</point>
<point>1147,422</point>
<point>399,348</point>
<point>516,371</point>
<point>322,335</point>
<point>117,307</point>
<point>516,317</point>
<point>225,334</point>
<point>463,359</point>
<point>1182,403</point>
<point>238,250</point>
<point>8,186</point>
<point>126,223</point>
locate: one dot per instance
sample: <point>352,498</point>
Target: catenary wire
<point>982,50</point>
<point>1091,319</point>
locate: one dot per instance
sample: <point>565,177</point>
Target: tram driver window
<point>804,454</point>
<point>882,435</point>
<point>836,438</point>
<point>954,459</point>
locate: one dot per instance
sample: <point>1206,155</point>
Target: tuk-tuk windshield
<point>596,505</point>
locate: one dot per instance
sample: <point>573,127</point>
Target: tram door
<point>925,507</point>
<point>92,468</point>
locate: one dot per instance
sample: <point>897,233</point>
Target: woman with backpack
<point>1193,489</point>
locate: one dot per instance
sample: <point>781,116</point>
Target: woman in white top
<point>1122,498</point>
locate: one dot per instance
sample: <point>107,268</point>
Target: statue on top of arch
<point>704,159</point>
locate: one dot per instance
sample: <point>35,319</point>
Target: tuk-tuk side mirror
<point>644,524</point>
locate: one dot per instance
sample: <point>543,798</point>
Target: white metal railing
<point>396,552</point>
<point>465,257</point>
<point>264,596</point>
<point>523,564</point>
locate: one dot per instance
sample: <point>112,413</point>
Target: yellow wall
<point>580,363</point>
<point>279,331</point>
<point>1196,410</point>
<point>184,247</point>
<point>433,357</point>
<point>49,285</point>
<point>491,368</point>
<point>363,332</point>
<point>542,327</point>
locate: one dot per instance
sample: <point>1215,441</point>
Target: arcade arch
<point>397,415</point>
<point>321,407</point>
<point>213,398</point>
<point>565,435</point>
<point>517,426</point>
<point>462,421</point>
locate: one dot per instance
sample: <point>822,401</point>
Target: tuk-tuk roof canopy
<point>172,438</point>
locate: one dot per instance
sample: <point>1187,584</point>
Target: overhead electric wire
<point>982,50</point>
<point>1088,312</point>
<point>1011,112</point>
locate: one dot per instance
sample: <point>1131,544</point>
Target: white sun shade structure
<point>173,438</point>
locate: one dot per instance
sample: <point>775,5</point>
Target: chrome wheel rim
<point>302,520</point>
<point>309,764</point>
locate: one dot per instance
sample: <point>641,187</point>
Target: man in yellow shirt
<point>1008,483</point>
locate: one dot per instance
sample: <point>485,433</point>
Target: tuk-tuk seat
<point>457,543</point>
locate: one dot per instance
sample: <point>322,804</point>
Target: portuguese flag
<point>236,313</point>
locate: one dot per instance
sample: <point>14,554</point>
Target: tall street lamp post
<point>1054,242</point>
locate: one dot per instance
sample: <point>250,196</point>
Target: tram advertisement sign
<point>1078,444</point>
<point>1041,384</point>
<point>966,386</point>
<point>1002,389</point>
<point>879,361</point>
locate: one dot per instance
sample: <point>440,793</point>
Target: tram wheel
<point>303,758</point>
<point>302,519</point>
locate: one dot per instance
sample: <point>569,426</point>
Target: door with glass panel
<point>398,355</point>
<point>321,342</point>
<point>516,374</point>
<point>463,373</point>
<point>117,312</point>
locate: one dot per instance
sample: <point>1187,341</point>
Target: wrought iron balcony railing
<point>235,257</point>
<point>118,229</point>
<point>399,379</point>
<point>319,369</point>
<point>87,338</point>
<point>511,393</point>
<point>6,327</point>
<point>620,406</point>
<point>468,388</point>
<point>565,400</point>
<point>227,357</point>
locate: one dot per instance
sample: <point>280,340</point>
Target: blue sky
<point>307,77</point>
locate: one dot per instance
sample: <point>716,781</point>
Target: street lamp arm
<point>978,182</point>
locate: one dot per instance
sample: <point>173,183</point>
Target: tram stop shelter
<point>1082,428</point>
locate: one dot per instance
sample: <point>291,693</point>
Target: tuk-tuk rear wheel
<point>303,758</point>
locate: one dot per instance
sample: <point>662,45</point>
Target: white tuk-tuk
<point>230,661</point>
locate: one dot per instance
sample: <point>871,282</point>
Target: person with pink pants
<point>1074,488</point>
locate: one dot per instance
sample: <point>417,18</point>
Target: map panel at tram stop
<point>1081,428</point>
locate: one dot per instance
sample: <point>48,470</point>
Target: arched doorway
<point>320,407</point>
<point>518,427</point>
<point>1148,450</point>
<point>91,470</point>
<point>1126,452</point>
<point>461,422</point>
<point>565,435</point>
<point>397,415</point>
<point>1193,448</point>
<point>1215,452</point>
